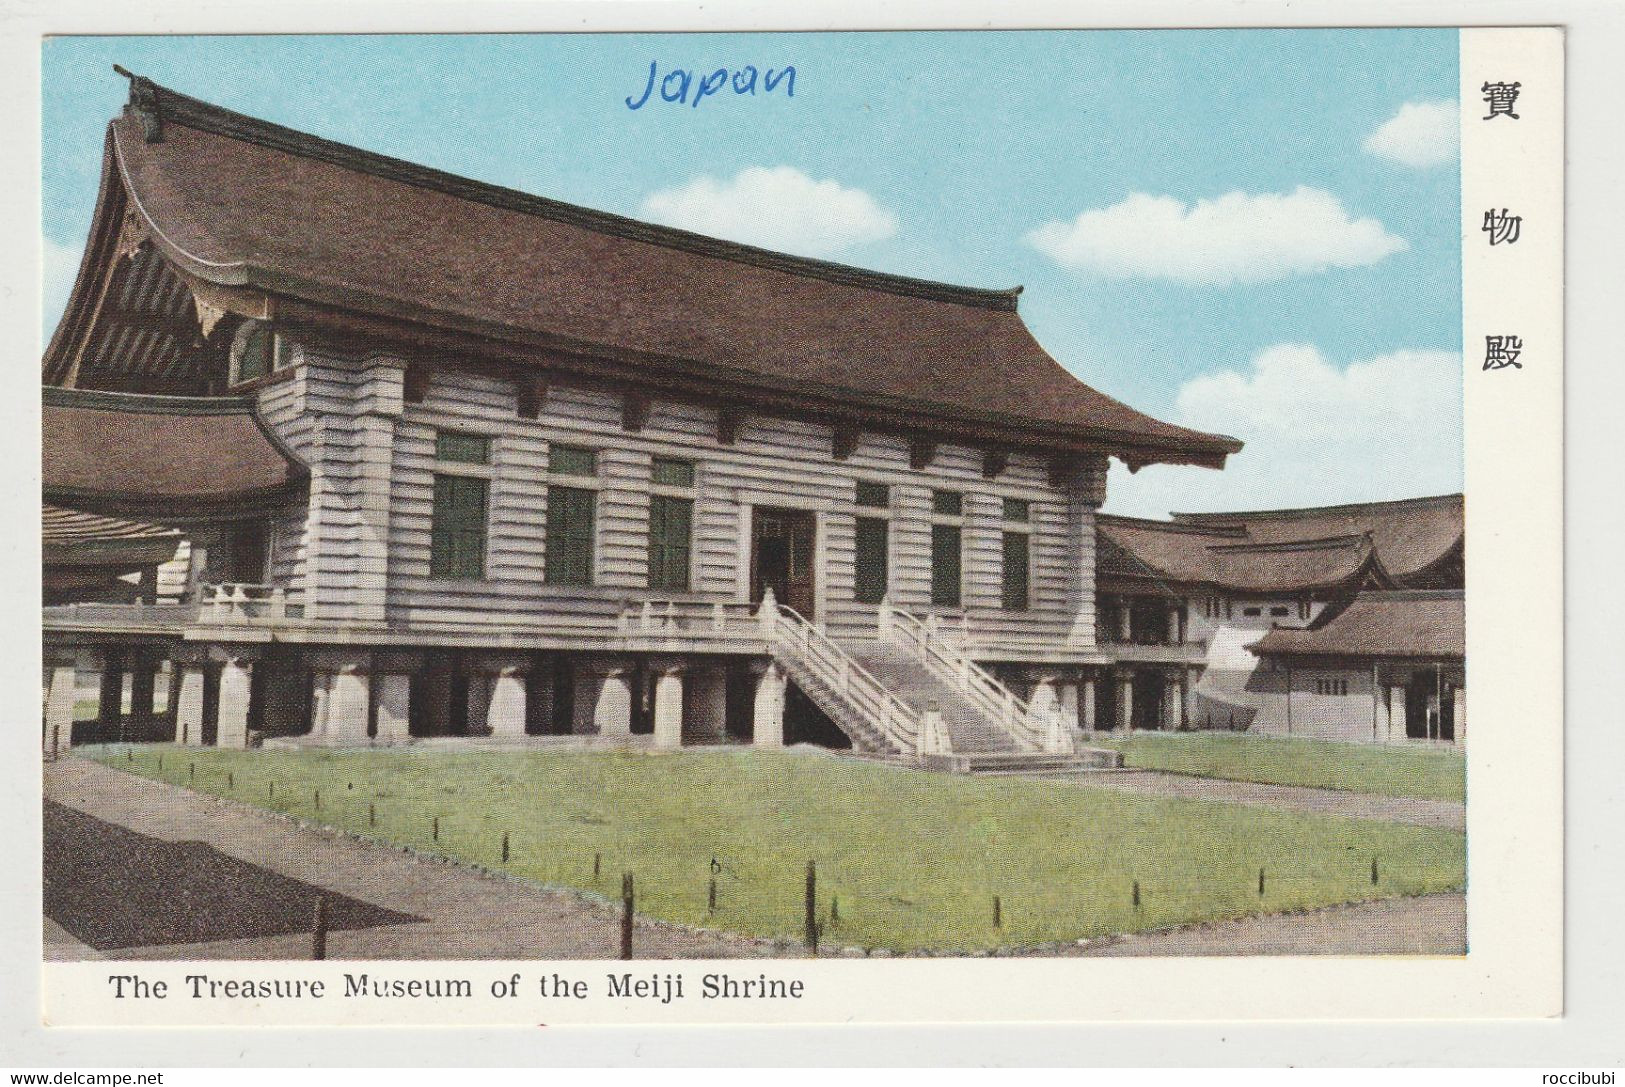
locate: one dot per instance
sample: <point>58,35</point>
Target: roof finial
<point>144,101</point>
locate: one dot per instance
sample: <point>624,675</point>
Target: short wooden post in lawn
<point>1373,871</point>
<point>435,830</point>
<point>270,790</point>
<point>56,742</point>
<point>191,773</point>
<point>318,936</point>
<point>1260,883</point>
<point>597,862</point>
<point>129,752</point>
<point>834,908</point>
<point>998,912</point>
<point>711,896</point>
<point>160,763</point>
<point>811,935</point>
<point>372,815</point>
<point>1136,894</point>
<point>504,847</point>
<point>628,903</point>
<point>318,800</point>
<point>231,780</point>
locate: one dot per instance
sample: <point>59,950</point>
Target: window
<point>570,515</point>
<point>948,503</point>
<point>874,495</point>
<point>1332,686</point>
<point>1017,509</point>
<point>462,448</point>
<point>457,534</point>
<point>673,473</point>
<point>945,565</point>
<point>872,559</point>
<point>1252,613</point>
<point>1279,612</point>
<point>254,353</point>
<point>571,460</point>
<point>671,522</point>
<point>1015,571</point>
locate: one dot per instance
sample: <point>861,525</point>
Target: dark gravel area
<point>111,887</point>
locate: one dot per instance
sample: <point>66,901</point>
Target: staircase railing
<point>1033,731</point>
<point>799,644</point>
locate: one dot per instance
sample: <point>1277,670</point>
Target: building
<point>362,452</point>
<point>1286,621</point>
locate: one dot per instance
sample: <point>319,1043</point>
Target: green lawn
<point>1368,768</point>
<point>914,859</point>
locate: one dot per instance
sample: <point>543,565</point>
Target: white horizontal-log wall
<point>330,410</point>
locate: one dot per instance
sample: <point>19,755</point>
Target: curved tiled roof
<point>124,453</point>
<point>237,201</point>
<point>1288,550</point>
<point>70,535</point>
<point>1429,624</point>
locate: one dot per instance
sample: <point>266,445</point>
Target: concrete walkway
<point>1424,925</point>
<point>1446,814</point>
<point>465,914</point>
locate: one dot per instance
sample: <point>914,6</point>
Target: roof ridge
<point>1187,529</point>
<point>1309,511</point>
<point>158,403</point>
<point>1311,544</point>
<point>157,105</point>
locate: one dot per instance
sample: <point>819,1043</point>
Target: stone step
<point>1026,762</point>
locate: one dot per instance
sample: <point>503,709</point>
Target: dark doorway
<point>781,557</point>
<point>740,716</point>
<point>1430,708</point>
<point>209,730</point>
<point>247,546</point>
<point>1106,703</point>
<point>1149,691</point>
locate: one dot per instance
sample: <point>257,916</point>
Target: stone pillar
<point>1175,621</point>
<point>768,718</point>
<point>231,723</point>
<point>1178,702</point>
<point>1125,702</point>
<point>1084,482</point>
<point>1460,714</point>
<point>706,707</point>
<point>612,711</point>
<point>1396,715</point>
<point>63,681</point>
<point>1125,619</point>
<point>669,708</point>
<point>1086,699</point>
<point>1045,700</point>
<point>506,711</point>
<point>393,690</point>
<point>189,703</point>
<point>343,689</point>
<point>1069,707</point>
<point>588,680</point>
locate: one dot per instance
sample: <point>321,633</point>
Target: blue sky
<point>1249,231</point>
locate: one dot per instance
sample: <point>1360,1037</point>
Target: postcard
<point>753,527</point>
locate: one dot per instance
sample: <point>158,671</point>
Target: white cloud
<point>1316,434</point>
<point>61,267</point>
<point>1237,238</point>
<point>776,207</point>
<point>1421,134</point>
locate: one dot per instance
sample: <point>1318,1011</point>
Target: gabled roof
<point>1411,542</point>
<point>1428,624</point>
<point>240,203</point>
<point>170,457</point>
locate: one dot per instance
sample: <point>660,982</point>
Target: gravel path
<point>1446,814</point>
<point>465,914</point>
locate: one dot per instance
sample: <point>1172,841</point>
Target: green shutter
<point>570,515</point>
<point>571,460</point>
<point>673,473</point>
<point>871,560</point>
<point>457,535</point>
<point>670,526</point>
<point>462,448</point>
<point>949,503</point>
<point>945,561</point>
<point>1015,571</point>
<point>877,495</point>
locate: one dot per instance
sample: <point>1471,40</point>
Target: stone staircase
<point>905,697</point>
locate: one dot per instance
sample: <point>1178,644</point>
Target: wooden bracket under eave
<point>415,384</point>
<point>994,462</point>
<point>214,303</point>
<point>921,452</point>
<point>1062,471</point>
<point>532,396</point>
<point>729,421</point>
<point>634,412</point>
<point>845,441</point>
